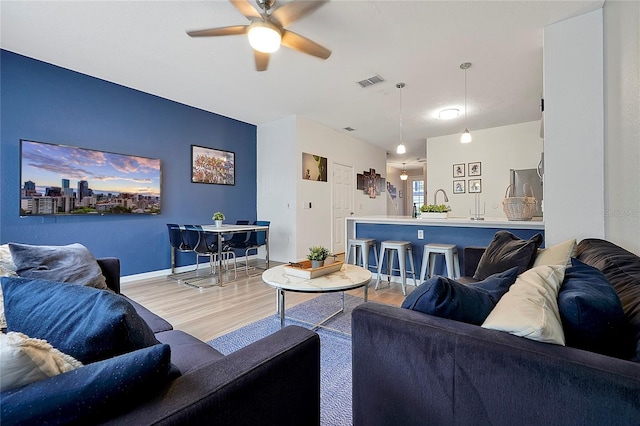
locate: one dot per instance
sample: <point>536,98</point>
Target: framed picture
<point>314,167</point>
<point>475,186</point>
<point>459,186</point>
<point>213,166</point>
<point>458,170</point>
<point>400,193</point>
<point>474,169</point>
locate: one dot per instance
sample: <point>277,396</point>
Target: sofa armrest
<point>111,270</point>
<point>409,367</point>
<point>275,380</point>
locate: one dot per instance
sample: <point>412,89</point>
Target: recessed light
<point>448,114</point>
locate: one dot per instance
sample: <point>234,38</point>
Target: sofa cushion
<point>530,307</point>
<point>506,251</point>
<point>72,263</point>
<point>84,322</point>
<point>446,298</point>
<point>622,270</point>
<point>591,312</point>
<point>7,269</point>
<point>26,360</point>
<point>91,393</point>
<point>558,254</point>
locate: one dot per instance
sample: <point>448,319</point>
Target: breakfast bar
<point>461,231</point>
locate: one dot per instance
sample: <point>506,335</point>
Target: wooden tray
<point>306,271</point>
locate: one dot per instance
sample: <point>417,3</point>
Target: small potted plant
<point>317,255</point>
<point>434,211</point>
<point>218,217</point>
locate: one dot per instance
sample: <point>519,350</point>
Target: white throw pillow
<point>559,254</point>
<point>530,307</point>
<point>26,360</point>
<point>7,269</point>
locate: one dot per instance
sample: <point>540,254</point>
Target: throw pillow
<point>530,307</point>
<point>84,322</point>
<point>446,298</point>
<point>506,251</point>
<point>72,263</point>
<point>91,394</point>
<point>558,254</point>
<point>26,360</point>
<point>591,312</point>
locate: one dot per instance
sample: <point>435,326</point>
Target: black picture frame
<point>212,166</point>
<point>474,169</point>
<point>458,170</point>
<point>475,186</point>
<point>459,186</point>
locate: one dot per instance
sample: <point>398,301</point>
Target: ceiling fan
<point>267,28</point>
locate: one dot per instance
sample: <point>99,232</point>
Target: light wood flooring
<point>211,312</point>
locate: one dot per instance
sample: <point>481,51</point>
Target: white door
<point>342,203</point>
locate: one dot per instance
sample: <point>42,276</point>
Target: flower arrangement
<point>318,253</point>
<point>218,216</point>
<point>435,208</point>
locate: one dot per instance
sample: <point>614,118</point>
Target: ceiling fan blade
<point>222,31</point>
<point>262,60</point>
<point>246,8</point>
<point>302,44</point>
<point>295,10</point>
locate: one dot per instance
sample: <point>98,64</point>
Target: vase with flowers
<point>218,217</point>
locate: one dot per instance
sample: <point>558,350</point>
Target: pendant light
<point>466,136</point>
<point>403,174</point>
<point>401,149</point>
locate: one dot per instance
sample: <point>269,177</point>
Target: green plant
<point>435,208</point>
<point>218,216</point>
<point>318,253</point>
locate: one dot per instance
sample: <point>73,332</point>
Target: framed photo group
<point>461,170</point>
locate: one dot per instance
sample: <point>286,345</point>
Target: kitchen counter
<point>461,231</point>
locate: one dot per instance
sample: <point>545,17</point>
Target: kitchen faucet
<point>435,195</point>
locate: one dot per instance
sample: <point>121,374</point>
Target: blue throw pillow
<point>591,312</point>
<point>91,393</point>
<point>470,303</point>
<point>84,322</point>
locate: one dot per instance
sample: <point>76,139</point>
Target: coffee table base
<point>280,310</point>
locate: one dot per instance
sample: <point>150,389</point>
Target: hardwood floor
<point>214,311</point>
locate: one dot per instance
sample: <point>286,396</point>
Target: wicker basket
<point>519,208</point>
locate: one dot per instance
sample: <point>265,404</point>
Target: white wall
<point>574,128</point>
<point>395,206</point>
<point>283,196</point>
<point>499,149</point>
<point>622,123</point>
<point>277,174</point>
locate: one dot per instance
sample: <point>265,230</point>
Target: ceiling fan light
<point>401,149</point>
<point>264,37</point>
<point>448,114</point>
<point>466,136</point>
<point>403,174</point>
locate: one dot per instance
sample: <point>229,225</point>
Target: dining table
<point>220,231</point>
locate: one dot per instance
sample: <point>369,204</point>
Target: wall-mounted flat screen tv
<point>68,180</point>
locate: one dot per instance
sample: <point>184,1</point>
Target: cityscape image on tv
<point>65,180</point>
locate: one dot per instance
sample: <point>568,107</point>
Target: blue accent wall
<point>46,103</point>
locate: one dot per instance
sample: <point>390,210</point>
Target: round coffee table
<point>349,277</point>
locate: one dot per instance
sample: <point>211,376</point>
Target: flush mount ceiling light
<point>401,149</point>
<point>403,174</point>
<point>448,114</point>
<point>264,37</point>
<point>466,135</point>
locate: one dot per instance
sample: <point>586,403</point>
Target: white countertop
<point>488,222</point>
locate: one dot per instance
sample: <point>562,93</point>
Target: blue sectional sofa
<point>411,368</point>
<point>275,380</point>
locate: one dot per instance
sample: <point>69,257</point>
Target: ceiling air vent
<point>371,81</point>
<point>349,129</point>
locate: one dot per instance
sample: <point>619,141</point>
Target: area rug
<point>335,349</point>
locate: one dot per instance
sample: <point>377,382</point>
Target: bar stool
<point>450,252</point>
<point>403,248</point>
<point>362,246</point>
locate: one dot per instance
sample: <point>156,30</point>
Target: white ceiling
<point>143,45</point>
